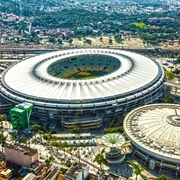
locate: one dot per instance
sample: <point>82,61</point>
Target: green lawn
<point>87,75</point>
<point>140,25</point>
<point>170,75</point>
<point>80,77</point>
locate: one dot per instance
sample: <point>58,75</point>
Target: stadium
<point>154,132</point>
<point>82,86</point>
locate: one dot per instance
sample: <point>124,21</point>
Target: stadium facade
<point>82,86</point>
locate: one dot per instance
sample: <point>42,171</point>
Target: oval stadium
<point>154,132</point>
<point>82,86</point>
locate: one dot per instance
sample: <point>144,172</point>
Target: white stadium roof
<point>154,129</point>
<point>30,76</point>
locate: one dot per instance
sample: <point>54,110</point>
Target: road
<point>38,49</point>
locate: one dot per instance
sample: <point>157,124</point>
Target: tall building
<point>20,115</point>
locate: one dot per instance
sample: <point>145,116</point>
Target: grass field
<point>87,75</point>
<point>140,25</point>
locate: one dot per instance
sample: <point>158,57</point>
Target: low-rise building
<point>30,176</point>
<point>6,173</point>
<point>84,29</point>
<point>20,155</point>
<point>78,171</point>
<point>36,167</point>
<point>52,174</point>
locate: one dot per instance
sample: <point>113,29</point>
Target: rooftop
<point>113,140</point>
<point>126,79</point>
<point>24,105</point>
<point>155,128</point>
<point>6,172</point>
<point>53,172</point>
<point>61,177</point>
<point>24,149</point>
<point>76,169</point>
<point>29,176</point>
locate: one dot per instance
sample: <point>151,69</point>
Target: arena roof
<point>29,78</point>
<point>154,129</point>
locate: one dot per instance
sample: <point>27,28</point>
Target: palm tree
<point>2,118</point>
<point>41,133</point>
<point>2,140</point>
<point>64,146</point>
<point>137,168</point>
<point>13,136</point>
<point>70,150</point>
<point>50,160</point>
<point>100,159</point>
<point>24,140</point>
<point>35,128</point>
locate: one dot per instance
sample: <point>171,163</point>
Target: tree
<point>110,41</point>
<point>70,41</point>
<point>49,160</point>
<point>64,146</point>
<point>35,128</point>
<point>163,177</point>
<point>177,60</point>
<point>88,41</point>
<point>118,38</point>
<point>63,36</point>
<point>70,150</point>
<point>114,129</point>
<point>176,71</point>
<point>44,32</point>
<point>168,99</point>
<point>60,41</point>
<point>15,173</point>
<point>68,163</point>
<point>2,140</point>
<point>111,124</point>
<point>52,40</point>
<point>63,170</point>
<point>137,168</point>
<point>100,159</point>
<point>13,135</point>
<point>41,133</point>
<point>2,118</point>
<point>47,137</point>
<point>24,140</point>
<point>76,128</point>
<point>170,75</point>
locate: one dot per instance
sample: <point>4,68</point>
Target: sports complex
<point>83,86</point>
<point>154,132</point>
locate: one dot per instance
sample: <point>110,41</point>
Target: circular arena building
<point>154,132</point>
<point>82,86</point>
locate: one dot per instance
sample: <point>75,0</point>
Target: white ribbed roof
<point>135,72</point>
<point>155,129</point>
<point>113,140</point>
